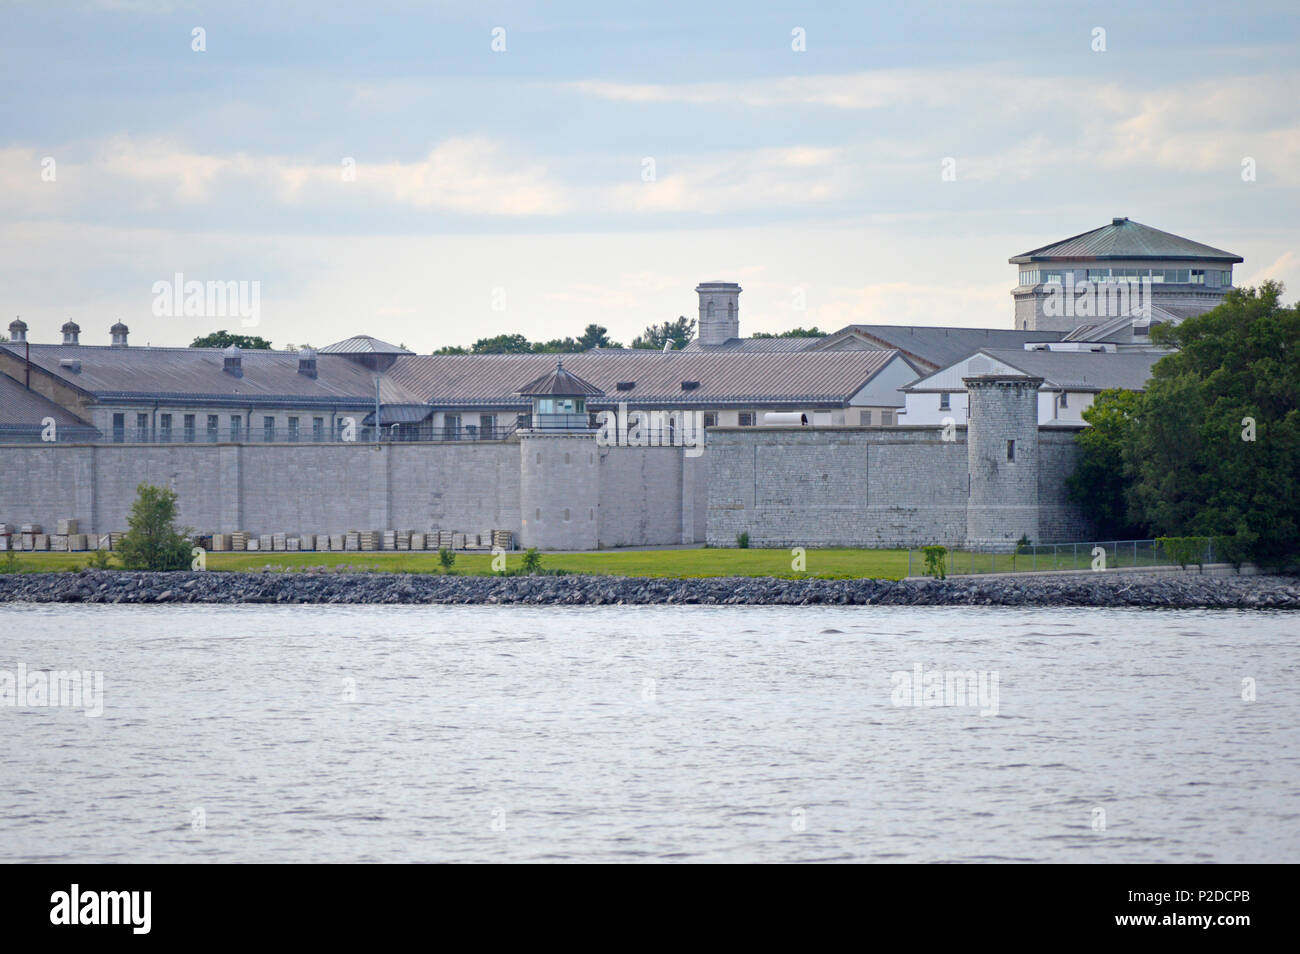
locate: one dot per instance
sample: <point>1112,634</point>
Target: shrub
<point>742,540</point>
<point>99,560</point>
<point>1184,550</point>
<point>446,558</point>
<point>935,561</point>
<point>153,542</point>
<point>532,562</point>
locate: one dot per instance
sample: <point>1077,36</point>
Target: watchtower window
<point>1011,450</point>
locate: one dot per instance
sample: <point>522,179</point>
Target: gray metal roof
<point>1082,370</point>
<point>560,383</point>
<point>24,409</point>
<point>1125,239</point>
<point>196,373</point>
<point>936,347</point>
<point>363,344</point>
<point>655,378</point>
<point>753,345</point>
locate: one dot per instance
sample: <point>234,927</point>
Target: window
<point>318,429</point>
<point>293,428</point>
<point>945,402</point>
<point>1065,401</point>
<point>1011,451</point>
<point>1198,276</point>
<point>236,427</point>
<point>119,428</point>
<point>487,425</point>
<point>213,427</point>
<point>268,428</point>
<point>451,427</point>
<point>164,427</point>
<point>562,406</point>
<point>746,418</point>
<point>189,428</point>
<point>887,418</point>
<point>868,416</point>
<point>142,427</point>
<point>710,419</point>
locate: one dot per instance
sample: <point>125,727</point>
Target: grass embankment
<point>825,564</point>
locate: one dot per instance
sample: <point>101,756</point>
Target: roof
<point>1060,370</point>
<point>363,344</point>
<point>1125,239</point>
<point>21,409</point>
<point>650,378</point>
<point>937,347</point>
<point>400,414</point>
<point>734,345</point>
<point>196,374</point>
<point>560,383</point>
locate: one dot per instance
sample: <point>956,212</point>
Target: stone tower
<point>1002,453</point>
<point>719,312</point>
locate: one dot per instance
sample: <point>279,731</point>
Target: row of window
<point>1213,277</point>
<point>189,432</point>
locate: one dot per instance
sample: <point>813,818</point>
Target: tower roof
<point>363,344</point>
<point>559,383</point>
<point>1124,239</point>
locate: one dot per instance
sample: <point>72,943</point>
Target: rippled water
<point>651,733</point>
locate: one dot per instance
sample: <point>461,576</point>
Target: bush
<point>153,542</point>
<point>742,540</point>
<point>935,561</point>
<point>10,564</point>
<point>99,560</point>
<point>446,558</point>
<point>532,561</point>
<point>1184,550</point>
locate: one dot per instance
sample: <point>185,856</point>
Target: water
<point>650,733</point>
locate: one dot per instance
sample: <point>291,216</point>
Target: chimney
<point>719,312</point>
<point>231,362</point>
<point>17,331</point>
<point>307,362</point>
<point>71,332</point>
<point>118,333</point>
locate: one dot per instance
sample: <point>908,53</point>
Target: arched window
<point>731,309</point>
<point>708,310</point>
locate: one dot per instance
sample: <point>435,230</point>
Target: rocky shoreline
<point>1182,591</point>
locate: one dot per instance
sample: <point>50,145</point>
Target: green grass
<point>828,564</point>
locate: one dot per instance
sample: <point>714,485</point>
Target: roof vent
<point>307,362</point>
<point>1119,221</point>
<point>17,331</point>
<point>625,385</point>
<point>690,385</point>
<point>232,361</point>
<point>118,333</point>
<point>71,332</point>
<point>71,364</point>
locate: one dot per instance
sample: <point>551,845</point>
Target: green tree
<point>1099,484</point>
<point>1214,448</point>
<point>679,332</point>
<point>152,541</point>
<point>224,339</point>
<point>502,344</point>
<point>452,349</point>
<point>595,336</point>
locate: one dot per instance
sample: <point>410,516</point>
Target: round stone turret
<point>1002,454</point>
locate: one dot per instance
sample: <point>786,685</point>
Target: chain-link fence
<point>1044,557</point>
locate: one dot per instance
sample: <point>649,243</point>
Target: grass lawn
<point>833,564</point>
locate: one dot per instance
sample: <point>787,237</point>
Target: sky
<point>432,173</point>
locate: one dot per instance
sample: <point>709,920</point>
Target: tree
<point>224,339</point>
<point>595,336</point>
<point>1214,449</point>
<point>679,332</point>
<point>502,344</point>
<point>1099,485</point>
<point>812,332</point>
<point>152,541</point>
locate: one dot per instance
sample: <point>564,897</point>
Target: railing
<point>1091,555</point>
<point>399,433</point>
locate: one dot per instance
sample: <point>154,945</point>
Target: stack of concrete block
<point>106,541</point>
<point>279,541</point>
<point>115,538</point>
<point>66,527</point>
<point>263,541</point>
<point>369,539</point>
<point>458,541</point>
<point>445,539</point>
<point>59,541</point>
<point>76,542</point>
<point>6,532</point>
<point>502,539</point>
<point>403,539</point>
<point>239,540</point>
<point>220,542</point>
<point>351,540</point>
<point>388,539</point>
<point>307,541</point>
<point>417,541</point>
<point>254,543</point>
<point>292,544</point>
<point>40,541</point>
